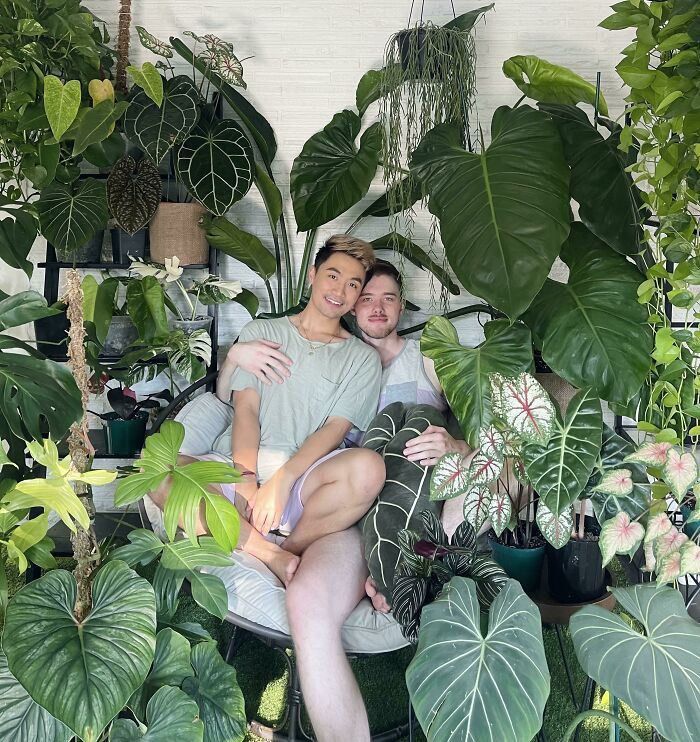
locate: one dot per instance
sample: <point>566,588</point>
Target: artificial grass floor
<point>262,675</point>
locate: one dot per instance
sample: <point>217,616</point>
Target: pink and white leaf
<point>484,469</point>
<point>668,542</point>
<point>556,529</point>
<point>680,472</point>
<point>520,472</point>
<point>657,525</point>
<point>616,482</point>
<point>500,510</point>
<point>669,568</point>
<point>690,558</point>
<point>496,381</point>
<point>619,535</point>
<point>649,558</point>
<point>450,477</point>
<point>527,409</point>
<point>477,504</point>
<point>649,454</point>
<point>491,443</point>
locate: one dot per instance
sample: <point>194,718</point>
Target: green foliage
<point>149,80</point>
<point>133,193</point>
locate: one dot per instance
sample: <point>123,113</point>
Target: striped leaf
<point>470,687</point>
<point>524,406</point>
<point>619,536</point>
<point>555,528</point>
<point>680,472</point>
<point>407,541</point>
<point>408,596</point>
<point>500,511</point>
<point>656,671</point>
<point>477,506</point>
<point>433,528</point>
<point>450,477</point>
<point>649,454</point>
<point>489,578</point>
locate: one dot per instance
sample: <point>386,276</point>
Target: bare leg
<point>336,495</point>
<point>324,591</point>
<point>281,562</point>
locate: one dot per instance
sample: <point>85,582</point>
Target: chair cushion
<point>256,594</point>
<point>205,418</point>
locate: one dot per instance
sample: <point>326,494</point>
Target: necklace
<point>313,347</point>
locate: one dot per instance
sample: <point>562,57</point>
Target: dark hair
<point>345,243</point>
<point>384,268</point>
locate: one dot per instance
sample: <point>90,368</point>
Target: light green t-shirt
<point>340,379</point>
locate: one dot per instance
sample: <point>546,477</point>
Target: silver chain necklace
<point>313,347</point>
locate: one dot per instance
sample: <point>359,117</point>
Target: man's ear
<point>312,273</point>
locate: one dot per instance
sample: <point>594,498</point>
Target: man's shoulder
<point>360,350</point>
<point>262,327</point>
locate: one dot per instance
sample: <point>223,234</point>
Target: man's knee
<point>307,605</point>
<point>368,473</point>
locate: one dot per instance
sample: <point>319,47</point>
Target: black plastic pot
<point>575,572</point>
<point>406,40</point>
<point>125,244</point>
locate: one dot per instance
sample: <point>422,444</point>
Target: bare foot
<point>284,564</point>
<point>379,602</point>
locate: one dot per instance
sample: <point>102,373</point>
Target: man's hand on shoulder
<point>430,445</point>
<point>261,358</point>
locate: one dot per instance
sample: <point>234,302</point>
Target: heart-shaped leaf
<point>61,103</point>
<point>112,646</point>
<point>680,472</point>
<point>477,506</point>
<point>524,406</point>
<point>70,214</point>
<point>668,543</point>
<point>216,165</point>
<point>669,568</point>
<point>657,525</point>
<point>492,443</point>
<point>500,511</point>
<point>150,80</point>
<point>133,193</point>
<point>619,535</point>
<point>617,482</point>
<point>555,528</point>
<point>665,653</point>
<point>150,42</point>
<point>484,469</point>
<point>513,197</point>
<point>105,153</point>
<point>560,470</point>
<point>155,129</point>
<point>97,124</point>
<point>649,454</point>
<point>17,235</point>
<point>690,558</point>
<point>449,478</point>
<point>330,175</point>
<point>467,686</point>
<point>464,372</point>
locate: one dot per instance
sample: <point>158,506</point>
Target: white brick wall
<point>309,56</point>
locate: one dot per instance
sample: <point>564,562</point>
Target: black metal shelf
<point>122,266</point>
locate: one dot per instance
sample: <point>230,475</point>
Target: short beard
<point>378,334</point>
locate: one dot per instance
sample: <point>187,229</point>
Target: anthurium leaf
<point>330,174</point>
<point>607,198</point>
<point>97,124</point>
<point>155,129</point>
<point>619,535</point>
<point>511,198</point>
<point>23,719</point>
<point>243,246</point>
<point>477,505</point>
<point>555,528</point>
<point>70,214</point>
<point>464,372</point>
<point>107,151</point>
<point>61,103</point>
<point>680,472</point>
<point>649,454</point>
<point>524,406</point>
<point>216,163</point>
<point>215,689</point>
<point>450,477</point>
<point>149,79</point>
<point>594,315</point>
<point>411,252</point>
<point>113,645</point>
<point>171,714</point>
<point>616,482</point>
<point>474,694</point>
<point>500,511</point>
<point>17,235</point>
<point>560,470</point>
<point>662,646</point>
<point>134,191</point>
<point>146,306</point>
<point>549,83</point>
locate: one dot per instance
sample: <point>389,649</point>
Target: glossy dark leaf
<point>240,245</point>
<point>17,235</point>
<point>133,193</point>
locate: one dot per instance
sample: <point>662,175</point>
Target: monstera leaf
<point>133,193</point>
<point>70,214</point>
<point>464,372</point>
<point>155,129</point>
<point>216,165</point>
<point>512,201</point>
<point>560,470</point>
<point>607,198</point>
<point>594,316</point>
<point>113,645</point>
<point>467,686</point>
<point>330,174</point>
<point>656,669</point>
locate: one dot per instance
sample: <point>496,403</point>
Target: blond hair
<point>349,245</point>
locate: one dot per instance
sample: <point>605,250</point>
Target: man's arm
<point>260,357</point>
<point>245,439</point>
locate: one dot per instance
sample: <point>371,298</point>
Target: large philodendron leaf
<point>35,393</point>
<point>82,672</point>
<point>24,307</point>
<point>607,198</point>
<point>471,687</point>
<point>70,214</point>
<point>216,165</point>
<point>155,129</point>
<point>504,214</point>
<point>133,193</point>
<point>592,330</point>
<point>330,174</point>
<point>656,671</point>
<point>23,719</point>
<point>560,470</point>
<point>230,239</point>
<point>464,372</point>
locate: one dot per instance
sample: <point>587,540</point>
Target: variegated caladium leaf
<point>649,454</point>
<point>657,525</point>
<point>150,42</point>
<point>680,472</point>
<point>524,406</point>
<point>555,528</point>
<point>134,191</point>
<point>617,482</point>
<point>690,558</point>
<point>669,568</point>
<point>500,509</point>
<point>520,472</point>
<point>450,477</point>
<point>619,535</point>
<point>668,542</point>
<point>477,505</point>
<point>484,469</point>
<point>492,443</point>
